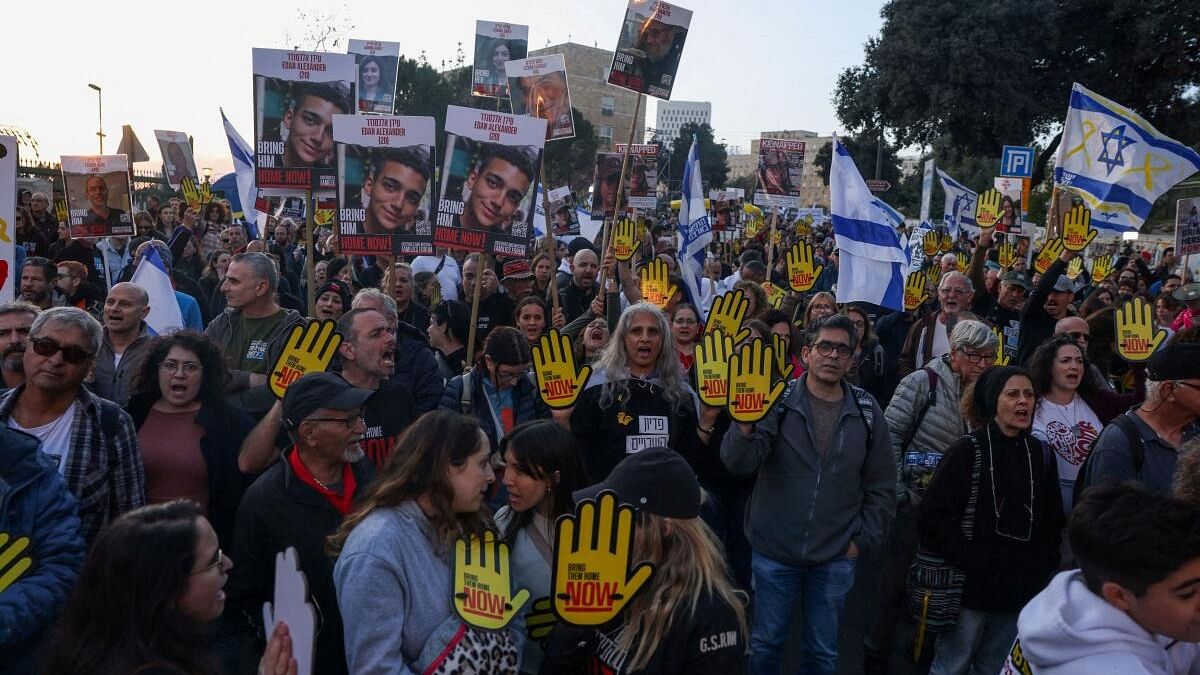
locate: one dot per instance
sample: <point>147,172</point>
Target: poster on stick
<point>377,63</point>
<point>488,181</point>
<point>649,47</point>
<point>296,95</point>
<point>537,86</point>
<point>1187,226</point>
<point>780,171</point>
<point>8,202</point>
<point>562,212</point>
<point>98,195</point>
<point>496,44</point>
<point>641,178</point>
<point>384,184</point>
<point>178,162</point>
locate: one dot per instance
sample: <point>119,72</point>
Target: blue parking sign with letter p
<point>1016,162</point>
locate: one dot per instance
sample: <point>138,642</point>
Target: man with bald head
<point>125,342</point>
<point>578,295</point>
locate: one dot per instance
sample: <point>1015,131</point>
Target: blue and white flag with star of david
<point>1117,162</point>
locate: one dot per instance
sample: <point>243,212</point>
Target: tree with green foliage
<point>862,150</point>
<point>714,160</point>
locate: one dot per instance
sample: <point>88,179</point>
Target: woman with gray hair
<point>638,398</point>
<point>923,421</point>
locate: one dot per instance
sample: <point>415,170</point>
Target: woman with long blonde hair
<point>687,618</point>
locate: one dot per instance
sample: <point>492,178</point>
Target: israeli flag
<point>959,212</point>
<point>151,275</point>
<point>243,166</point>
<point>1116,161</point>
<point>872,261</point>
<point>695,231</point>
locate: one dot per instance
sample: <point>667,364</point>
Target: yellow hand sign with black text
<point>962,264</point>
<point>987,208</point>
<point>625,241</point>
<point>1101,268</point>
<point>655,282</point>
<point>308,349</point>
<point>915,291</point>
<point>13,564</point>
<point>945,243</point>
<point>802,273</point>
<point>934,274</point>
<point>775,294</point>
<point>558,382</point>
<point>483,593</point>
<point>1074,268</point>
<point>931,242</point>
<point>712,368</point>
<point>782,362</point>
<point>60,210</point>
<point>1008,254</point>
<point>191,195</point>
<point>1048,255</point>
<point>540,620</point>
<point>1077,230</point>
<point>1137,338</point>
<point>1002,359</point>
<point>593,576</point>
<point>751,392</point>
<point>754,226</point>
<point>727,313</point>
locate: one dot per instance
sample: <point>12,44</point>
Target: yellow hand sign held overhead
<point>483,594</point>
<point>1101,268</point>
<point>625,241</point>
<point>308,349</point>
<point>1137,338</point>
<point>558,382</point>
<point>727,313</point>
<point>987,208</point>
<point>784,365</point>
<point>1048,255</point>
<point>751,393</point>
<point>712,368</point>
<point>656,286</point>
<point>1077,230</point>
<point>915,291</point>
<point>802,274</point>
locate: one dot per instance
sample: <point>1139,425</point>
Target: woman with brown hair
<point>393,572</point>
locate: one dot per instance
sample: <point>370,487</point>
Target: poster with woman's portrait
<point>780,170</point>
<point>537,86</point>
<point>296,95</point>
<point>385,184</point>
<point>377,63</point>
<point>641,179</point>
<point>489,177</point>
<point>649,47</point>
<point>98,195</point>
<point>178,162</point>
<point>495,45</point>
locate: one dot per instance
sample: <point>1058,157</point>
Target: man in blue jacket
<point>41,549</point>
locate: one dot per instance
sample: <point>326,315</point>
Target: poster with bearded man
<point>649,47</point>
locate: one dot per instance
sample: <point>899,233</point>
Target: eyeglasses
<point>1190,385</point>
<point>213,565</point>
<point>976,357</point>
<point>45,346</point>
<point>510,375</point>
<point>953,290</point>
<point>172,366</point>
<point>350,422</point>
<point>833,349</point>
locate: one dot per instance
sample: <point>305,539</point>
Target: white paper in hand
<point>291,607</point>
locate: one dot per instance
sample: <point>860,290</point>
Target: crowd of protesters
<point>153,478</point>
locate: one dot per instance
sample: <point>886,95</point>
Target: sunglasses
<point>44,346</point>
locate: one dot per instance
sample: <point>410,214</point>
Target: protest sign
<point>780,170</point>
<point>496,44</point>
<point>537,86</point>
<point>98,195</point>
<point>177,157</point>
<point>649,46</point>
<point>559,382</point>
<point>562,212</point>
<point>751,391</point>
<point>724,208</point>
<point>291,606</point>
<point>593,576</point>
<point>483,594</point>
<point>384,184</point>
<point>1137,334</point>
<point>377,63</point>
<point>9,274</point>
<point>1010,190</point>
<point>641,177</point>
<point>489,179</point>
<point>309,348</point>
<point>296,95</point>
<point>1187,226</point>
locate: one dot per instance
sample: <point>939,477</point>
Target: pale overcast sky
<point>764,64</point>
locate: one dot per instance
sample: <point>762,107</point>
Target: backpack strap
<point>866,408</point>
<point>468,385</point>
<point>1137,445</point>
<point>930,401</point>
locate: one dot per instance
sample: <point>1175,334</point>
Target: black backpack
<point>1137,452</point>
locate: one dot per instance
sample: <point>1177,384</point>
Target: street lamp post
<point>100,104</point>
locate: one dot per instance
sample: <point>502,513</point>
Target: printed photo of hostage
<point>780,170</point>
<point>537,86</point>
<point>296,95</point>
<point>377,63</point>
<point>98,195</point>
<point>385,184</point>
<point>489,177</point>
<point>177,157</point>
<point>496,44</point>
<point>649,47</point>
<point>641,185</point>
<point>562,212</point>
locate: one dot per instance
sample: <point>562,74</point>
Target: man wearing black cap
<point>299,502</point>
<point>1049,301</point>
<point>1143,443</point>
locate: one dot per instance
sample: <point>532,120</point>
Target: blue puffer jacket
<point>38,514</point>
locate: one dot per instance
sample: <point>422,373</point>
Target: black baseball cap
<point>314,391</point>
<point>656,480</point>
<point>1174,361</point>
<point>1016,278</point>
